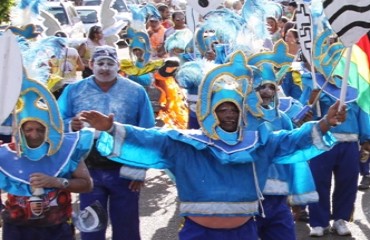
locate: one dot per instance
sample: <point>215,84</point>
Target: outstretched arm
<point>98,120</point>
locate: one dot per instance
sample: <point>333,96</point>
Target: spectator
<point>107,92</point>
<point>292,6</point>
<point>291,38</point>
<point>165,15</point>
<point>237,6</point>
<point>156,35</point>
<point>95,38</point>
<point>228,4</point>
<point>68,66</point>
<point>274,29</point>
<point>178,17</point>
<point>281,24</point>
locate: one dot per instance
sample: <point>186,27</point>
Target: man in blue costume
<point>221,168</point>
<point>41,169</point>
<point>107,92</point>
<point>277,222</point>
<point>340,164</point>
<point>284,181</point>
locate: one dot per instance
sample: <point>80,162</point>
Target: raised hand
<point>97,120</point>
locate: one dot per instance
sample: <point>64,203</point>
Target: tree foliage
<point>5,6</point>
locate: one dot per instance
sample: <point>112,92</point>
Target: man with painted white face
<point>105,91</point>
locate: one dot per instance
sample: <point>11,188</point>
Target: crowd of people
<point>215,107</point>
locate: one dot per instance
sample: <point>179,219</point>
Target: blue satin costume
<point>15,170</point>
<point>130,104</point>
<point>343,162</point>
<point>213,178</point>
<point>284,180</point>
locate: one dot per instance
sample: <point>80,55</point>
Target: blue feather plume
<point>191,74</point>
<point>36,56</point>
<point>33,5</point>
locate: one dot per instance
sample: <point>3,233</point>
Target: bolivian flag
<point>359,73</point>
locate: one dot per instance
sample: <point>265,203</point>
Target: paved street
<point>160,221</point>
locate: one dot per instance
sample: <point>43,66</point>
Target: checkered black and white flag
<point>349,19</point>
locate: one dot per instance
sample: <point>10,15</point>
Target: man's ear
<point>91,64</point>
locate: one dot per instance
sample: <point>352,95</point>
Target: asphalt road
<point>159,218</point>
<point>159,213</point>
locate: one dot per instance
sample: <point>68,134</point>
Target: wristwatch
<point>64,182</point>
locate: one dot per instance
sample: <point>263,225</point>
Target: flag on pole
<point>359,74</point>
<point>304,27</point>
<point>349,19</point>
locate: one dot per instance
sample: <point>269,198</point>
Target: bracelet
<point>327,123</point>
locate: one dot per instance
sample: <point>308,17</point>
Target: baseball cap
<point>104,52</point>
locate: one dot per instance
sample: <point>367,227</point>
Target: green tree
<point>5,6</point>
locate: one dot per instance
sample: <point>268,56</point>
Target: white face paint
<point>105,70</point>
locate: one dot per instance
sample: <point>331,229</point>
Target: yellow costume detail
<point>128,67</point>
<point>174,112</point>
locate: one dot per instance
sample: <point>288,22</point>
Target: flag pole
<point>313,74</point>
<point>343,90</point>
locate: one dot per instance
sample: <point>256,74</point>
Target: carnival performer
<point>340,162</point>
<point>139,68</point>
<point>66,65</point>
<point>189,76</point>
<point>221,168</point>
<point>174,111</point>
<point>41,168</point>
<point>108,92</point>
<point>284,181</point>
<point>178,43</point>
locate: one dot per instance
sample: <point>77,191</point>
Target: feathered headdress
<point>26,12</point>
<point>25,17</point>
<point>326,55</point>
<point>190,75</point>
<point>179,39</point>
<point>255,13</point>
<point>137,33</point>
<point>35,103</point>
<point>219,26</point>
